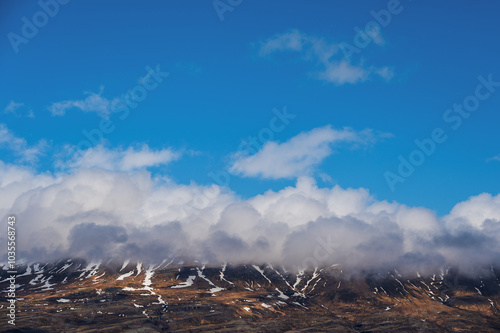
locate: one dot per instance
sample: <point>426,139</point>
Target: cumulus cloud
<point>97,213</point>
<point>333,67</point>
<point>18,146</point>
<point>476,212</point>
<point>132,158</point>
<point>299,155</point>
<point>94,241</point>
<point>18,110</point>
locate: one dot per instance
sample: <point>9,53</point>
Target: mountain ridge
<point>129,296</point>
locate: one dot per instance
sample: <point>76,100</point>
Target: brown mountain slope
<point>75,296</point>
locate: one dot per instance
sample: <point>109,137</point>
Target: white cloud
<point>19,146</point>
<point>333,67</point>
<point>297,156</point>
<point>18,109</point>
<point>129,159</point>
<point>102,106</point>
<point>289,41</point>
<point>385,73</point>
<point>475,211</point>
<point>92,103</point>
<point>494,158</point>
<point>142,217</point>
<point>344,72</point>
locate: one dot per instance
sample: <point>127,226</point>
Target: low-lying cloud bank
<point>98,213</point>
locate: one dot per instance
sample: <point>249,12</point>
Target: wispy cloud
<point>94,102</point>
<point>299,155</point>
<point>18,110</point>
<point>343,72</point>
<point>385,73</point>
<point>102,106</point>
<point>19,147</point>
<point>494,158</point>
<point>293,40</point>
<point>376,36</point>
<point>333,67</point>
<point>119,159</point>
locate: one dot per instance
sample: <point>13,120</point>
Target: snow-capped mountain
<point>108,296</point>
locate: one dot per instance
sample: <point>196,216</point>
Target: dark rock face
<point>76,296</point>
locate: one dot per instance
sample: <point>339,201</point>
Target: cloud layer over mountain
<point>99,213</point>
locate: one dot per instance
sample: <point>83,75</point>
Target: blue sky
<point>352,116</point>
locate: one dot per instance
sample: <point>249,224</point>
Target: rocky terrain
<point>73,295</point>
